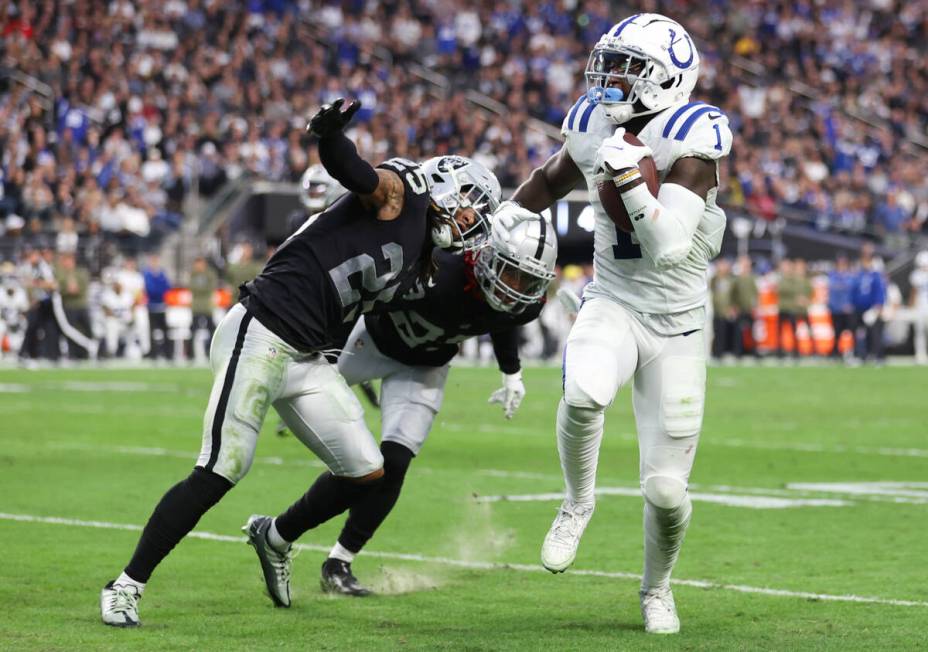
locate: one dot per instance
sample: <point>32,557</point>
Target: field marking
<point>484,565</point>
<point>708,440</point>
<point>794,495</point>
<point>187,455</point>
<point>729,500</point>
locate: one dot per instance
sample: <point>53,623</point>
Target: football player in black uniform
<point>269,350</point>
<point>492,290</point>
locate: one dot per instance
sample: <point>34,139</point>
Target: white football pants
<point>410,396</point>
<point>607,347</point>
<point>254,369</point>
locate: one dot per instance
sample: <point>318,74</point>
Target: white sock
<point>125,579</point>
<point>273,537</point>
<point>579,434</point>
<point>664,530</point>
<point>341,552</point>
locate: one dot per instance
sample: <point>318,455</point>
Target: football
<point>609,195</point>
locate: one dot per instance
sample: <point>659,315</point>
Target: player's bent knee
<point>578,394</point>
<point>396,460</point>
<point>664,491</point>
<point>580,418</point>
<point>373,476</point>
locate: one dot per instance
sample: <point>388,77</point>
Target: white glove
<point>569,300</point>
<point>510,395</point>
<point>615,154</point>
<point>507,215</point>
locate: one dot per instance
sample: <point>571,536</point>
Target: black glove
<point>330,119</point>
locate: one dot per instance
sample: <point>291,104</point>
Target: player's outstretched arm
<point>380,189</point>
<point>548,183</point>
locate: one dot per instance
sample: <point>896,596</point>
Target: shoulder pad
<point>399,165</point>
<point>410,172</point>
<point>698,129</point>
<point>580,116</point>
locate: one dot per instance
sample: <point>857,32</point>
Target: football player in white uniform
<point>919,302</point>
<point>643,315</point>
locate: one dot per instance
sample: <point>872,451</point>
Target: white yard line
<point>480,565</point>
<point>187,455</point>
<point>794,495</point>
<point>730,500</point>
<point>710,441</point>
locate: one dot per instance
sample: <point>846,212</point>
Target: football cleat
<point>659,611</point>
<point>560,546</point>
<point>338,578</point>
<point>119,605</point>
<point>274,564</point>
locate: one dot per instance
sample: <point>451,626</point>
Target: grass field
<point>809,528</point>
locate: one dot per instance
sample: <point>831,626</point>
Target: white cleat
<point>659,611</point>
<point>560,546</point>
<point>119,605</point>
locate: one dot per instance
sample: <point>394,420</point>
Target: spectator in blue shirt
<point>868,295</point>
<point>840,305</point>
<point>156,285</point>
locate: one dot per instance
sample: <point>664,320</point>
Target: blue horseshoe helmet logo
<point>673,57</point>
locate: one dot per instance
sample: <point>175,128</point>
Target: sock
<point>273,537</point>
<point>329,496</point>
<point>579,434</point>
<point>339,552</point>
<point>125,579</point>
<point>664,530</point>
<point>368,513</point>
<point>176,514</point>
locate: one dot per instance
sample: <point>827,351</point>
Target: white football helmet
<point>653,55</point>
<point>516,265</point>
<point>318,190</point>
<point>455,183</point>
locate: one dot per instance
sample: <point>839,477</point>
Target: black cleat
<point>337,578</point>
<point>367,388</point>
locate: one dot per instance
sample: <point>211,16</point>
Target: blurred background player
<point>868,296</point>
<point>918,300</point>
<point>840,305</point>
<point>204,281</point>
<point>157,285</point>
<point>643,316</point>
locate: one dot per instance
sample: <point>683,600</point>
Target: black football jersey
<point>425,324</point>
<point>341,265</point>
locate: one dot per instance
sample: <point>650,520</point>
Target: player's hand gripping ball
<point>618,154</point>
<point>330,119</point>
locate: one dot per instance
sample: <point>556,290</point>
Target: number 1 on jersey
<point>625,249</point>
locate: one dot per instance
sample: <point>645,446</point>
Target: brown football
<point>609,195</point>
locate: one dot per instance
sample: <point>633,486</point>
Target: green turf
<point>71,445</point>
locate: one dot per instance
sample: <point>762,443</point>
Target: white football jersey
<point>671,299</point>
<point>919,281</point>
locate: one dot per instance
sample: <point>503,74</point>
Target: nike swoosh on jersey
<point>714,117</point>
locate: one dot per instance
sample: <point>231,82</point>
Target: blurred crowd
<point>838,309</point>
<point>153,101</point>
<point>52,308</point>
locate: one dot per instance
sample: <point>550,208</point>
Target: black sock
<point>176,515</point>
<point>367,514</point>
<point>329,496</point>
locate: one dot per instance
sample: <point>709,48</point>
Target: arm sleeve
<point>506,349</point>
<point>340,158</point>
<point>665,224</point>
